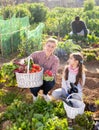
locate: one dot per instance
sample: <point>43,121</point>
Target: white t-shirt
<point>72,79</point>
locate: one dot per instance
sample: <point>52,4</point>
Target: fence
<point>10,31</point>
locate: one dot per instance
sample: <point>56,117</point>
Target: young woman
<point>73,73</point>
<point>48,61</point>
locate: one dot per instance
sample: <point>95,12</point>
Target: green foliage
<point>22,12</point>
<point>26,47</point>
<point>89,5</point>
<point>34,116</point>
<point>8,12</point>
<point>57,20</point>
<point>77,38</point>
<point>69,46</point>
<point>91,14</point>
<point>31,41</point>
<point>8,75</point>
<point>59,110</point>
<point>91,54</point>
<point>97,102</point>
<point>85,120</point>
<point>8,97</point>
<point>77,127</point>
<point>92,38</point>
<point>38,12</point>
<point>51,26</point>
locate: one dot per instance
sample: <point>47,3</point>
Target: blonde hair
<point>52,40</point>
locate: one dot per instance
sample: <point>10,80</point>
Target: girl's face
<point>50,47</point>
<point>72,61</point>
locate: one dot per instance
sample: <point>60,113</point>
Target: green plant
<point>77,127</point>
<point>38,12</point>
<point>90,56</point>
<point>8,97</point>
<point>89,5</point>
<point>97,102</point>
<point>85,120</point>
<point>22,12</point>
<point>34,116</point>
<point>8,12</point>
<point>26,47</point>
<point>8,75</point>
<point>69,46</point>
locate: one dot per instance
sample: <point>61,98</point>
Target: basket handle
<point>72,95</point>
<point>28,64</point>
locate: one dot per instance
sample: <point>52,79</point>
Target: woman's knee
<point>35,90</point>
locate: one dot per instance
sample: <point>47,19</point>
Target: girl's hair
<point>79,58</point>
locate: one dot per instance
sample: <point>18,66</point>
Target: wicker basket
<point>75,96</point>
<point>78,107</point>
<point>29,80</point>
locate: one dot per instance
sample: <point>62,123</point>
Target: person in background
<point>73,73</point>
<point>46,59</point>
<point>79,27</point>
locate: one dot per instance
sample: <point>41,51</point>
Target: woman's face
<point>50,47</point>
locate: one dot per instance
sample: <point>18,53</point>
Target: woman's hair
<point>52,40</point>
<point>79,58</point>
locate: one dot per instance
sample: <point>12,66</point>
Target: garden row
<point>57,20</point>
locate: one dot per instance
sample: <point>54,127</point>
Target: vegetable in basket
<point>22,67</point>
<point>48,75</point>
<point>35,68</point>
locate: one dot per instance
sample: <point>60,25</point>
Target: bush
<point>89,5</point>
<point>22,12</point>
<point>85,120</point>
<point>8,12</point>
<point>38,12</point>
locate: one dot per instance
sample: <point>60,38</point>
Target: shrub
<point>90,56</point>
<point>22,12</point>
<point>8,12</point>
<point>85,120</point>
<point>89,5</point>
<point>38,12</point>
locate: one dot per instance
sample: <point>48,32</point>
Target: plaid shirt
<point>51,63</point>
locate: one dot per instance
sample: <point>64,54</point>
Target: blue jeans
<point>46,87</point>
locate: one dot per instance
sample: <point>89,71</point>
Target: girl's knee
<point>56,94</point>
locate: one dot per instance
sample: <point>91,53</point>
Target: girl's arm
<point>65,85</point>
<point>83,79</point>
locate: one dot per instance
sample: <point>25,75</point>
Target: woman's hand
<point>48,76</point>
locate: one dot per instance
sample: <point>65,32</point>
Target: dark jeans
<point>46,87</point>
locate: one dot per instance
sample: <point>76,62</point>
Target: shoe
<point>46,97</point>
<point>34,98</point>
<point>70,122</point>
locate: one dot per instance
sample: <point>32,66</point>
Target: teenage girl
<point>73,73</point>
